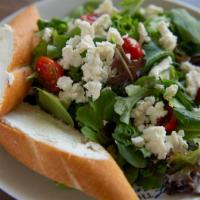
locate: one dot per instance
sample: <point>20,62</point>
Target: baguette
<point>60,153</point>
<point>16,44</point>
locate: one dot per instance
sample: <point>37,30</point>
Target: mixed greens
<point>128,78</point>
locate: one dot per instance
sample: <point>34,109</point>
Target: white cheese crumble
<point>106,51</point>
<point>102,24</point>
<point>176,142</point>
<point>168,40</point>
<point>192,78</point>
<point>74,41</point>
<point>93,69</point>
<point>93,89</point>
<point>144,37</point>
<point>86,28</point>
<point>71,57</point>
<point>153,11</point>
<point>47,34</point>
<point>114,35</point>
<point>85,44</point>
<point>138,141</point>
<point>70,92</point>
<point>106,8</point>
<point>155,141</point>
<point>162,66</point>
<point>147,112</point>
<point>171,91</point>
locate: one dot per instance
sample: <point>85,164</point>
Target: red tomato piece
<point>49,72</point>
<point>133,48</point>
<point>91,17</point>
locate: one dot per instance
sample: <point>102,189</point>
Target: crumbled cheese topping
<point>168,40</point>
<point>114,35</point>
<point>93,89</point>
<point>71,57</point>
<point>106,8</point>
<point>70,92</point>
<point>192,78</point>
<point>138,141</point>
<point>86,28</point>
<point>147,112</point>
<point>170,91</point>
<point>47,34</point>
<point>155,137</point>
<point>85,44</point>
<point>162,66</point>
<point>144,37</point>
<point>153,11</point>
<point>176,142</point>
<point>102,24</point>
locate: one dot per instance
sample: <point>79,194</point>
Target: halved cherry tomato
<point>133,48</point>
<point>91,17</point>
<point>49,72</point>
<point>169,121</point>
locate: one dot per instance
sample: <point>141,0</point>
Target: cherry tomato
<point>133,48</point>
<point>91,17</point>
<point>198,96</point>
<point>49,72</point>
<point>169,121</point>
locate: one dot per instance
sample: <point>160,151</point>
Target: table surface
<point>9,6</point>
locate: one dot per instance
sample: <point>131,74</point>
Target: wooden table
<point>9,6</point>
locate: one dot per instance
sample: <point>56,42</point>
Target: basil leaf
<point>52,105</point>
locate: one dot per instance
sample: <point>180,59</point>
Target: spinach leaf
<point>123,134</point>
<point>52,105</point>
<point>154,54</point>
<point>124,105</point>
<point>132,156</point>
<point>130,6</point>
<point>187,26</point>
<point>189,121</point>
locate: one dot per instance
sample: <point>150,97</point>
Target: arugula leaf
<point>187,26</point>
<point>93,114</point>
<point>124,105</point>
<point>123,134</point>
<point>59,25</point>
<point>52,105</point>
<point>189,121</point>
<point>130,6</point>
<point>132,156</point>
<point>154,54</point>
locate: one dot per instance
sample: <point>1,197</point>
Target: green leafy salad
<point>127,77</point>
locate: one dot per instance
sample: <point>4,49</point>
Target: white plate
<point>21,182</point>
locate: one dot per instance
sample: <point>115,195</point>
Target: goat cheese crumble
<point>147,112</point>
<point>170,91</point>
<point>168,40</point>
<point>153,11</point>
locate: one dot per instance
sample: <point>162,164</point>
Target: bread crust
<point>24,26</point>
<point>101,179</point>
<point>14,93</point>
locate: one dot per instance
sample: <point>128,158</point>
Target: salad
<point>127,77</point>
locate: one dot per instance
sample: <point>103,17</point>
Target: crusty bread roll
<point>59,152</point>
<point>16,44</point>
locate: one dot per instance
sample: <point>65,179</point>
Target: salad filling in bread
<point>125,77</point>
